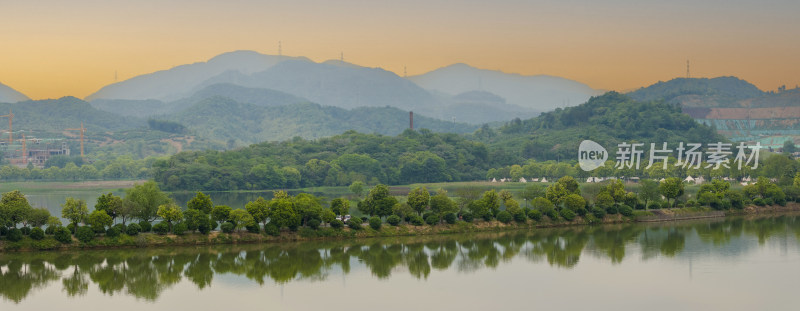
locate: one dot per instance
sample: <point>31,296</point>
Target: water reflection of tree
<point>146,274</point>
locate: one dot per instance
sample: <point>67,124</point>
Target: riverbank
<point>145,240</point>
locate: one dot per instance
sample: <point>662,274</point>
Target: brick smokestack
<point>411,120</point>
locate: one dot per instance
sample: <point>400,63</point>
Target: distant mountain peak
<point>9,95</point>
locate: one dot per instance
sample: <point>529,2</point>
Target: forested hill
<point>699,92</point>
<point>55,115</point>
<point>224,119</point>
<point>424,156</point>
<point>413,156</point>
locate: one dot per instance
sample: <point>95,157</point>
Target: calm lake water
<point>732,264</point>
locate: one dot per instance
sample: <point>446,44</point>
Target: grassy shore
<point>145,240</point>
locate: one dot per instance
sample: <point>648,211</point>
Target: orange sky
<point>50,49</point>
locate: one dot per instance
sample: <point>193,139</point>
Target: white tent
<point>689,179</point>
<point>522,180</point>
<point>494,179</point>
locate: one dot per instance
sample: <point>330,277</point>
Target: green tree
<point>307,207</point>
<point>492,202</point>
<point>14,208</point>
<point>357,188</point>
<point>170,212</point>
<point>146,199</point>
<point>569,184</point>
<point>201,202</point>
<point>75,210</point>
<point>110,204</point>
<point>282,213</point>
<point>259,209</point>
<point>99,220</point>
<point>505,195</point>
<point>556,193</point>
<point>671,188</point>
<point>340,206</point>
<point>379,201</point>
<point>418,199</point>
<point>241,219</point>
<point>328,215</point>
<point>648,191</point>
<point>441,204</point>
<point>220,213</point>
<point>38,217</point>
<point>574,202</point>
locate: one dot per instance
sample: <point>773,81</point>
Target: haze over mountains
<point>340,84</point>
<point>9,95</point>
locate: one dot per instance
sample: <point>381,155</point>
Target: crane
<point>10,117</point>
<point>82,130</point>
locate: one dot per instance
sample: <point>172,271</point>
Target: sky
<point>55,48</point>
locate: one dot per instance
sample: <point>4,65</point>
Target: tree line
<point>564,200</point>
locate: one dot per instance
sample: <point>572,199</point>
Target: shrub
<point>567,214</point>
<point>145,226</point>
<point>180,228</point>
<point>14,235</point>
<point>98,229</point>
<point>50,230</point>
<point>253,228</point>
<point>468,217</point>
<point>25,230</point>
<point>432,219</point>
<point>612,210</point>
<point>272,229</point>
<point>551,213</point>
<point>313,223</point>
<point>355,223</point>
<point>416,220</point>
<point>393,220</point>
<point>161,228</point>
<point>426,214</point>
<point>375,223</point>
<point>112,232</point>
<point>227,227</point>
<point>535,214</point>
<point>758,202</point>
<point>85,234</point>
<point>626,211</point>
<point>581,211</point>
<point>654,205</point>
<point>598,212</point>
<point>450,218</point>
<point>205,225</point>
<point>120,227</point>
<point>769,201</point>
<point>504,217</point>
<point>3,230</point>
<point>62,235</point>
<point>665,204</point>
<point>336,224</point>
<point>133,229</point>
<point>72,227</point>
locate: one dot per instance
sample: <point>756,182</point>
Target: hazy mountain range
<point>9,95</point>
<point>445,93</point>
